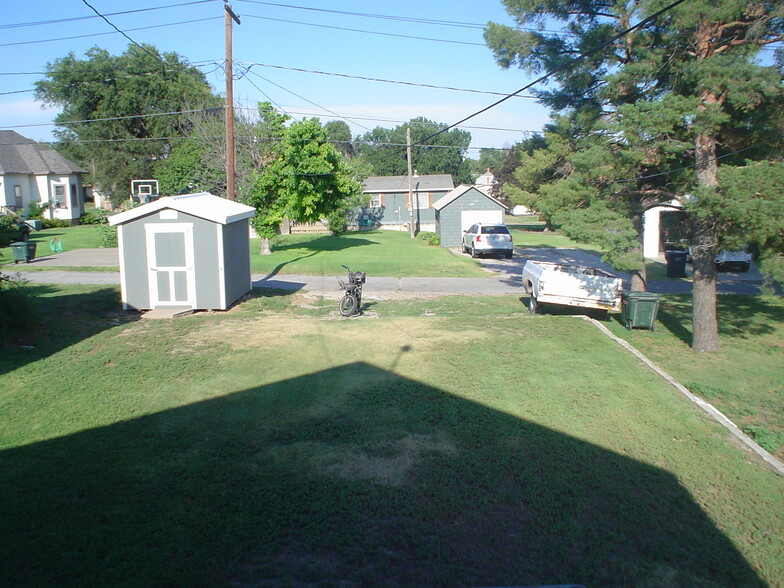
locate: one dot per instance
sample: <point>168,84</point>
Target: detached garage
<point>461,208</point>
<point>190,251</point>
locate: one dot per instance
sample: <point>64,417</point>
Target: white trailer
<point>570,285</point>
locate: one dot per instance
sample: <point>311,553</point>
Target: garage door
<point>488,217</point>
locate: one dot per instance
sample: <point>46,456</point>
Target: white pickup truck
<point>570,285</point>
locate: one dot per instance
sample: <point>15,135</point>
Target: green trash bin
<point>639,309</point>
<point>23,251</point>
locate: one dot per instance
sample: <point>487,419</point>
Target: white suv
<point>480,239</point>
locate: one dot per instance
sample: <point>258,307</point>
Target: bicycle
<point>352,299</point>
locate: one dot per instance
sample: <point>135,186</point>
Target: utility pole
<point>411,231</point>
<point>228,17</point>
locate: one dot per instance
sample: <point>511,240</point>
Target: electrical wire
<point>303,98</point>
<point>114,79</point>
<point>150,27</point>
<point>407,19</point>
<point>323,26</point>
<point>370,15</point>
<point>369,79</point>
<point>77,18</point>
<point>563,67</point>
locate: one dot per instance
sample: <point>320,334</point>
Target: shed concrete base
<point>166,313</point>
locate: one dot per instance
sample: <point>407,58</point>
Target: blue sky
<point>279,34</point>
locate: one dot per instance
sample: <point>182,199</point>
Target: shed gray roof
<point>20,155</point>
<point>458,192</point>
<point>202,204</point>
<point>400,183</point>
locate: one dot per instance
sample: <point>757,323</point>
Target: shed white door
<point>170,264</point>
<point>488,217</point>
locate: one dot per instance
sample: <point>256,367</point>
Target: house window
<point>59,195</point>
<point>18,202</point>
<point>74,196</point>
<point>422,200</point>
<point>375,201</point>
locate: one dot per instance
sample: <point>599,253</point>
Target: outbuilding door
<point>171,275</point>
<point>488,217</point>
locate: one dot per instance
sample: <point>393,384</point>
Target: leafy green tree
<point>103,98</point>
<point>667,101</point>
<point>198,162</point>
<point>385,150</point>
<point>339,134</point>
<point>308,181</point>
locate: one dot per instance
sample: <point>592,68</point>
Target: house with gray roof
<point>389,206</point>
<point>33,173</point>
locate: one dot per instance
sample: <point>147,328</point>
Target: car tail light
<point>478,238</point>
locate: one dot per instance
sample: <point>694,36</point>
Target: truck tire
<point>533,305</point>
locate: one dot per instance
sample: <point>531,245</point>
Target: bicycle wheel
<point>348,305</point>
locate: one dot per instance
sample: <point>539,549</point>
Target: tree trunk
<point>264,249</point>
<point>705,327</point>
<point>639,282</point>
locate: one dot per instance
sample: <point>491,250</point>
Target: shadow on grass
<point>738,315</point>
<point>75,316</point>
<point>559,310</point>
<point>350,476</point>
<point>325,243</point>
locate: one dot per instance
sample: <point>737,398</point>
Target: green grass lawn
<point>379,253</point>
<point>450,442</point>
<point>745,380</point>
<point>79,237</point>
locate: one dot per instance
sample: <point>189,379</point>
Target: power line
<point>566,65</point>
<point>113,79</point>
<point>370,15</point>
<point>77,18</point>
<point>694,165</point>
<point>248,138</point>
<point>407,19</point>
<point>91,7</point>
<point>392,120</point>
<point>303,98</point>
<point>323,26</point>
<point>171,24</point>
<point>370,79</point>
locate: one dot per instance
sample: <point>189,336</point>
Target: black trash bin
<point>23,251</point>
<point>676,263</point>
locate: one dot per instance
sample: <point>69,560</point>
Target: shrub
<point>35,210</point>
<point>108,236</point>
<point>55,223</point>
<point>430,238</point>
<point>96,216</point>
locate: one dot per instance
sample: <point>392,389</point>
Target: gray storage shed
<point>190,251</point>
<point>461,208</point>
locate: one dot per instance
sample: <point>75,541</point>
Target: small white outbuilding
<point>190,251</point>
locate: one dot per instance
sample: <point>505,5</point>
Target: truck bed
<point>572,285</point>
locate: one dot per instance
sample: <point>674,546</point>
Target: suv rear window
<point>495,230</point>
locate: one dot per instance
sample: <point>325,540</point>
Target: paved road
<point>503,275</point>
